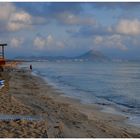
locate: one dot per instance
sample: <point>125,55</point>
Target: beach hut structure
<point>2,59</point>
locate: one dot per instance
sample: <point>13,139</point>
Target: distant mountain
<point>93,55</point>
<point>88,56</point>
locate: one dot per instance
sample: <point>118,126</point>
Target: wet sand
<point>61,117</point>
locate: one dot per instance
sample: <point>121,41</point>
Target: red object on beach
<point>2,62</point>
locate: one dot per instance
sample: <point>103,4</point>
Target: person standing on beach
<point>30,67</point>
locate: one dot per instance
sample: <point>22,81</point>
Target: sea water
<point>115,84</point>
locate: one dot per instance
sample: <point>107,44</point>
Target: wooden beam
<point>3,52</point>
<point>3,44</point>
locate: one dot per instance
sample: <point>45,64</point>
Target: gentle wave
<point>100,83</point>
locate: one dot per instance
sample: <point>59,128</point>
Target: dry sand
<point>61,117</point>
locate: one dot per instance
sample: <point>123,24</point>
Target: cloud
<point>37,20</point>
<point>128,27</point>
<point>49,40</point>
<point>112,41</point>
<point>39,42</point>
<point>47,43</point>
<point>64,13</point>
<point>16,42</point>
<point>72,19</point>
<point>60,44</point>
<point>6,10</point>
<point>98,40</point>
<point>89,31</point>
<point>14,19</point>
<point>19,20</point>
<point>123,26</point>
<point>60,12</point>
<point>21,16</point>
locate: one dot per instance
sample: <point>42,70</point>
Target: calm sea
<point>108,84</point>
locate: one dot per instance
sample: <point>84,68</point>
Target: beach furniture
<point>1,84</point>
<point>2,81</point>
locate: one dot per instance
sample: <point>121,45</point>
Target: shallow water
<point>116,84</point>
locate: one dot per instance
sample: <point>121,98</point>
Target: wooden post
<point>3,52</point>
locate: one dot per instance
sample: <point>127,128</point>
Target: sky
<point>70,28</point>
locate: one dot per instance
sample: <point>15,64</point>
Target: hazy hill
<point>91,55</point>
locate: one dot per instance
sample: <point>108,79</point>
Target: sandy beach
<point>57,116</point>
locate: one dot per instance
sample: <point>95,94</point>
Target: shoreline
<point>111,108</point>
<point>63,117</point>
